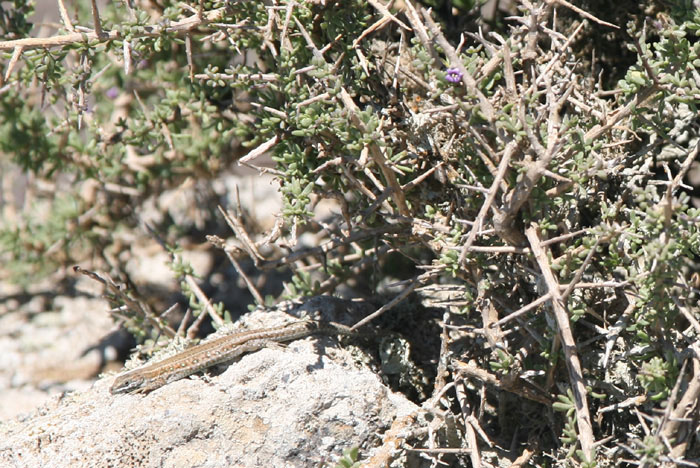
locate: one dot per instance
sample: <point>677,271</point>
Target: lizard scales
<point>216,351</point>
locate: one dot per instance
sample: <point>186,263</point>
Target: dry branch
<point>182,26</point>
<point>682,418</point>
<point>573,363</point>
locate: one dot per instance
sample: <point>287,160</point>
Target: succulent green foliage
<point>55,228</point>
<point>14,22</point>
<point>408,148</point>
<point>350,458</point>
<point>657,377</point>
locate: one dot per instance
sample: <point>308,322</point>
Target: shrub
<point>507,173</point>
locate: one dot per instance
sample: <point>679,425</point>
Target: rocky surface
<point>281,406</point>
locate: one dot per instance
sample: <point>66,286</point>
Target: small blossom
<point>453,75</point>
<point>112,92</point>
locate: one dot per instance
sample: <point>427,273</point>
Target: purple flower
<point>112,92</point>
<point>453,75</point>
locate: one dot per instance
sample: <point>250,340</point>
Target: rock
<point>292,406</point>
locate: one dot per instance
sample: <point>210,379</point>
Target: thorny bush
<point>527,171</point>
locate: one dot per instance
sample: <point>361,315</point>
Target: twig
<point>185,319</point>
<point>414,182</point>
<point>282,115</point>
<point>236,226</point>
<point>523,310</point>
<point>439,450</point>
<point>489,317</point>
<point>479,221</point>
<point>238,76</point>
<point>189,279</point>
<point>581,12</point>
<point>611,121</point>
<point>469,82</point>
<point>309,42</point>
<point>311,100</point>
<point>376,26</point>
<point>504,221</point>
<point>387,14</point>
<point>511,90</point>
<point>688,315</point>
<point>579,272</point>
<point>201,297</point>
<point>96,20</point>
<point>183,25</point>
<point>259,150</point>
<point>667,201</point>
<point>119,294</point>
<point>618,327</point>
<point>645,62</point>
<point>398,298</point>
<point>418,80</point>
<point>196,324</point>
<point>440,384</point>
<point>686,411</point>
<point>64,16</point>
<point>188,54</point>
<point>633,401</point>
<point>469,370</point>
<point>220,243</point>
<point>466,411</point>
<point>573,363</point>
<point>16,54</point>
<point>328,247</point>
<point>378,157</point>
<point>687,163</point>
<point>557,57</point>
<point>284,40</point>
<point>420,31</point>
<point>563,237</point>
